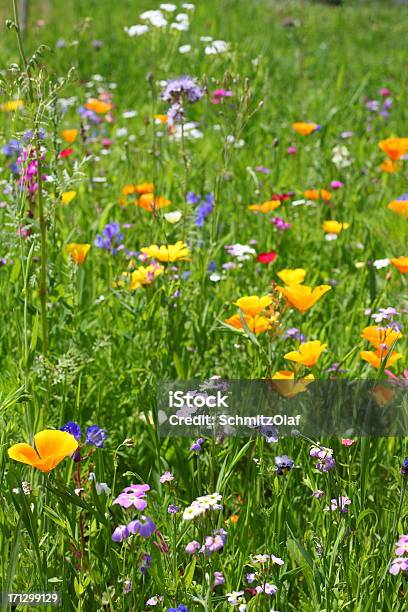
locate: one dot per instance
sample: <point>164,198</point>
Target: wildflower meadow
<point>203,272</point>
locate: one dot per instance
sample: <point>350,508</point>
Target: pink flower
<point>336,184</point>
<point>291,150</point>
<point>347,442</point>
<point>219,94</point>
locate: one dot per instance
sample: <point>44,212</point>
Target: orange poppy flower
<point>382,395</point>
<point>256,324</point>
<point>161,118</point>
<point>51,447</point>
<point>303,297</point>
<point>97,106</point>
<point>305,128</point>
<point>69,136</point>
<point>77,252</point>
<point>395,148</point>
<point>265,207</point>
<point>285,384</point>
<point>401,263</point>
<point>380,336</point>
<point>150,202</point>
<point>140,189</point>
<point>390,166</point>
<point>317,194</point>
<point>400,207</point>
<point>308,353</point>
<point>375,358</point>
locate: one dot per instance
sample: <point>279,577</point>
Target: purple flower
<point>283,465</point>
<point>110,237</point>
<point>336,184</point>
<point>146,562</point>
<point>95,436</point>
<point>262,169</point>
<point>341,504</point>
<point>384,314</point>
<point>166,476</point>
<point>193,198</point>
<point>126,500</point>
<point>175,113</point>
<point>318,494</point>
<point>180,608</point>
<point>144,526</point>
<point>270,434</point>
<point>280,224</point>
<point>402,545</point>
<point>404,468</point>
<point>400,564</point>
<point>172,509</point>
<point>196,446</point>
<point>215,542</point>
<point>218,579</point>
<point>294,332</point>
<point>121,533</point>
<point>192,547</point>
<point>180,89</point>
<point>72,428</point>
<point>205,208</point>
<point>127,586</point>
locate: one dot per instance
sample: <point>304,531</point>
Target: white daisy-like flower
<point>136,30</point>
<point>217,47</point>
<point>169,8</point>
<point>185,49</point>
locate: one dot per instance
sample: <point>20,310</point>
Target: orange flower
<point>395,148</point>
<point>51,447</point>
<point>400,207</point>
<point>304,128</point>
<point>141,188</point>
<point>150,202</point>
<point>294,276</point>
<point>308,353</point>
<point>302,297</point>
<point>390,166</point>
<point>256,324</point>
<point>161,118</point>
<point>253,305</point>
<point>401,263</point>
<point>77,252</point>
<point>265,207</point>
<point>375,358</point>
<point>382,395</point>
<point>97,106</point>
<point>69,136</point>
<point>317,194</point>
<point>285,384</point>
<point>380,337</point>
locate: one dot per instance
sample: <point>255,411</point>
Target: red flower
<point>65,153</point>
<point>283,196</point>
<point>266,258</point>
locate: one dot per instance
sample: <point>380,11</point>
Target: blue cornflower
<point>111,236</point>
<point>182,88</point>
<point>95,435</point>
<point>193,198</point>
<point>180,608</point>
<point>204,209</point>
<point>72,428</point>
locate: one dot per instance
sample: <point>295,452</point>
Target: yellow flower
<point>265,207</point>
<point>150,202</point>
<point>11,105</point>
<point>395,148</point>
<point>97,106</point>
<point>161,118</point>
<point>143,275</point>
<point>400,207</point>
<point>308,353</point>
<point>51,447</point>
<point>304,128</point>
<point>401,263</point>
<point>285,384</point>
<point>69,136</point>
<point>169,253</point>
<point>294,276</point>
<point>302,297</point>
<point>77,252</point>
<point>375,358</point>
<point>334,227</point>
<point>256,324</point>
<point>380,337</point>
<point>390,166</point>
<point>253,305</point>
<point>67,196</point>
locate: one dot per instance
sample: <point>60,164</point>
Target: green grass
<point>106,355</point>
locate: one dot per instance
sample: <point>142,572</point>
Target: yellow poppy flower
<point>395,148</point>
<point>256,324</point>
<point>67,196</point>
<point>303,297</point>
<point>400,207</point>
<point>11,105</point>
<point>285,384</point>
<point>380,337</point>
<point>305,128</point>
<point>51,447</point>
<point>77,252</point>
<point>294,276</point>
<point>97,106</point>
<point>143,275</point>
<point>69,136</point>
<point>375,358</point>
<point>401,263</point>
<point>168,253</point>
<point>253,305</point>
<point>334,227</point>
<point>265,207</point>
<point>308,353</point>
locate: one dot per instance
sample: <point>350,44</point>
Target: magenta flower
<point>218,95</point>
<point>133,496</point>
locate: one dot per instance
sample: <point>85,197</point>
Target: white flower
<point>190,131</point>
<point>121,132</point>
<point>341,156</point>
<point>215,278</point>
<point>235,597</point>
<point>188,6</point>
<point>216,47</point>
<point>169,8</point>
<point>173,216</point>
<point>206,38</point>
<point>381,263</point>
<point>136,30</point>
<point>331,237</point>
<point>181,27</point>
<point>182,17</point>
<point>102,487</point>
<point>155,18</point>
<point>185,49</point>
<point>129,114</point>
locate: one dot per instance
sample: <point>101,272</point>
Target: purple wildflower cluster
<point>205,206</point>
<point>342,503</point>
<point>294,332</point>
<point>94,436</point>
<point>134,496</point>
<point>283,465</point>
<point>325,458</point>
<point>212,543</point>
<point>380,107</point>
<point>178,91</point>
<point>400,563</point>
<point>28,171</point>
<point>280,224</point>
<point>111,237</point>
